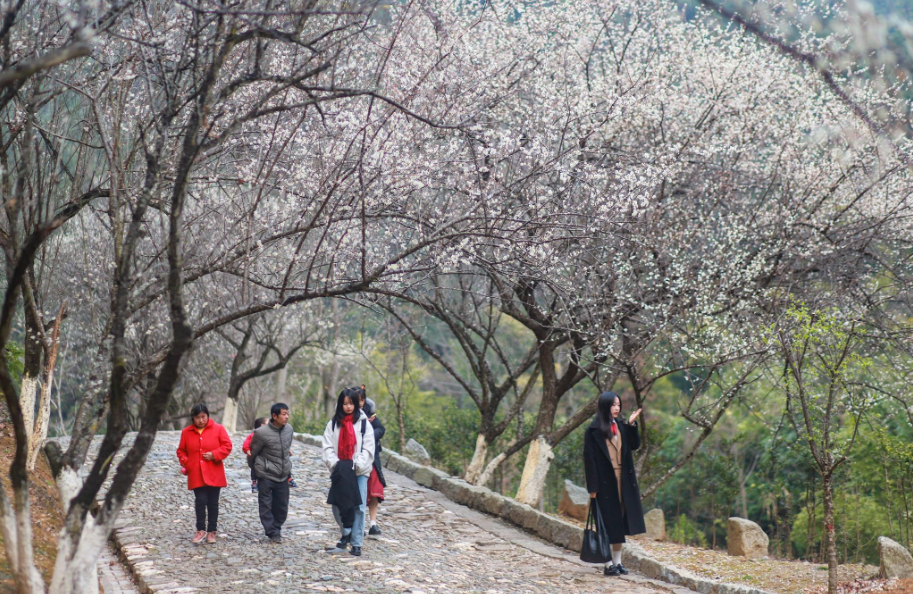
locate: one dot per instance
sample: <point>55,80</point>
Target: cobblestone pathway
<point>425,547</point>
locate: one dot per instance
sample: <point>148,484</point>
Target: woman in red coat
<point>204,445</point>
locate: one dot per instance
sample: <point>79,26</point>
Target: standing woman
<point>348,452</point>
<point>610,476</point>
<point>204,444</point>
<point>376,481</point>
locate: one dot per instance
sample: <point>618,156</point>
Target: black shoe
<point>343,542</point>
<point>275,539</point>
<point>622,569</point>
<point>374,531</point>
<point>611,571</point>
<point>356,551</point>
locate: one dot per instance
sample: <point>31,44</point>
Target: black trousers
<point>207,499</point>
<point>272,497</point>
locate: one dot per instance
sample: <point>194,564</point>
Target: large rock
<point>896,561</point>
<point>656,524</point>
<point>746,539</point>
<point>417,452</point>
<point>574,501</point>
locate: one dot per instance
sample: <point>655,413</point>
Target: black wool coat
<point>344,492</point>
<point>379,431</point>
<point>600,479</point>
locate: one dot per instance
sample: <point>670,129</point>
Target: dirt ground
<point>45,507</point>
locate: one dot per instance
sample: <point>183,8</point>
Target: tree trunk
<point>28,580</point>
<point>27,398</point>
<point>538,461</point>
<point>400,420</point>
<point>230,415</point>
<point>743,495</point>
<point>490,469</point>
<point>76,568</point>
<point>40,431</point>
<point>830,535</point>
<point>280,389</point>
<point>474,471</point>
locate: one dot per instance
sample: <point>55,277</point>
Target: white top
<point>364,456</point>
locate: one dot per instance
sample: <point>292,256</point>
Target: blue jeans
<point>358,526</point>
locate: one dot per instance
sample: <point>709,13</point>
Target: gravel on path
<point>427,546</point>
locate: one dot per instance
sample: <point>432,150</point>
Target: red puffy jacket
<point>200,472</point>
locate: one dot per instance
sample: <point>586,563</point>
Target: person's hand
<point>592,495</point>
<point>183,470</point>
<point>208,456</point>
<point>634,415</point>
<point>371,420</point>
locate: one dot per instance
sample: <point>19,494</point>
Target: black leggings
<point>207,498</point>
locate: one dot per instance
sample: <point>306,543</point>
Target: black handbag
<point>596,545</point>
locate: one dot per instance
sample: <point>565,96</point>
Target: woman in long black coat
<point>610,476</point>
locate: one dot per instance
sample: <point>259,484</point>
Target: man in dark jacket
<point>270,458</point>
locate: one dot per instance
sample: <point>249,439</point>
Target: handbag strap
<point>591,517</point>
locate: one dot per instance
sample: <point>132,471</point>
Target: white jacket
<point>364,456</point>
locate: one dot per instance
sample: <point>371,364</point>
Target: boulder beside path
<point>656,524</point>
<point>896,561</point>
<point>417,452</point>
<point>574,502</point>
<point>744,538</point>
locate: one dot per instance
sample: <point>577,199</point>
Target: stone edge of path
<point>548,528</point>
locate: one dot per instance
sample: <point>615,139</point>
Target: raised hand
<point>634,415</point>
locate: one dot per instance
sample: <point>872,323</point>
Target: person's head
<point>279,414</point>
<point>346,404</point>
<point>200,415</point>
<point>260,422</point>
<point>608,409</point>
<point>365,403</point>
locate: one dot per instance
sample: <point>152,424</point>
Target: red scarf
<point>346,445</point>
<point>614,428</point>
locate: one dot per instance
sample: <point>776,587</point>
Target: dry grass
<point>773,575</point>
<point>45,506</point>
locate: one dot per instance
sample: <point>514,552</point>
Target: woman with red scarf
<point>349,441</point>
<point>204,444</point>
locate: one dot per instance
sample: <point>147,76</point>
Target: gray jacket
<point>269,450</point>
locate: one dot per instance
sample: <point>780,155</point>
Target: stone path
<point>112,575</point>
<point>429,544</point>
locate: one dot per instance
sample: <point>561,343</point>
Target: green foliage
<point>449,434</point>
<point>15,360</point>
<point>685,532</point>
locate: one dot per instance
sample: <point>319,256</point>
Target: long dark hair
<point>351,394</point>
<point>604,412</point>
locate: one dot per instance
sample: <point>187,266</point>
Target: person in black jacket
<point>376,481</point>
<point>610,477</point>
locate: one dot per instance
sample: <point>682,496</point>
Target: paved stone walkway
<point>428,544</point>
<point>112,575</point>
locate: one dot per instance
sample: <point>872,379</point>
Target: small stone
<point>744,538</point>
<point>896,561</point>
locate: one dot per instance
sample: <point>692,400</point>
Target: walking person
<point>203,446</point>
<point>348,452</point>
<point>610,476</point>
<point>271,460</point>
<point>245,447</point>
<point>376,481</point>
